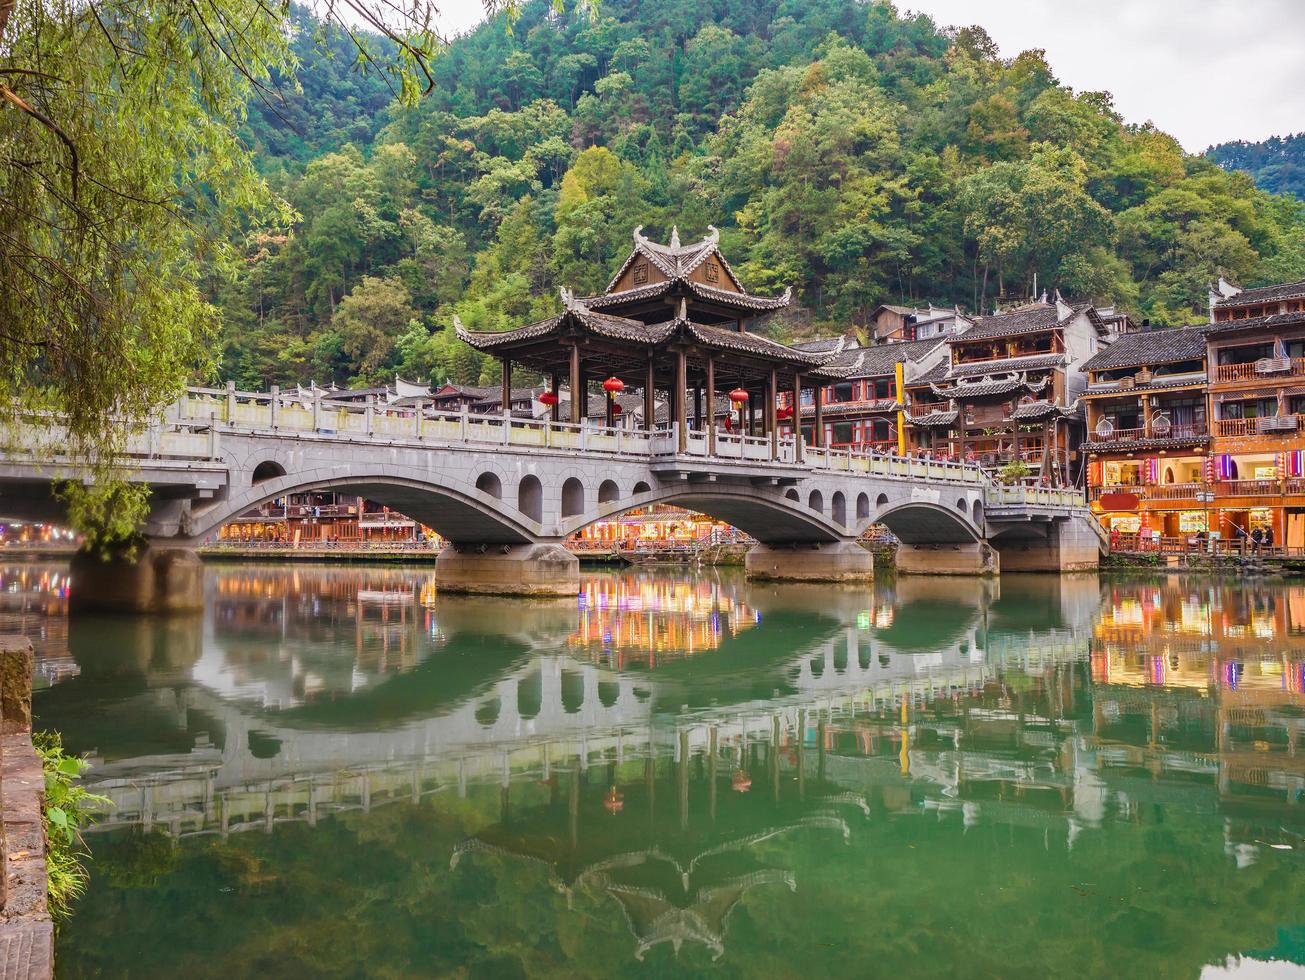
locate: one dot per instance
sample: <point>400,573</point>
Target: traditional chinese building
<point>1147,435</point>
<point>1010,388</point>
<point>675,320</point>
<point>1257,399</point>
<point>862,406</point>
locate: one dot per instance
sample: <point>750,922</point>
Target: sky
<point>1206,71</point>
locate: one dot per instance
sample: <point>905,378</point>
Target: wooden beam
<point>797,417</point>
<point>818,421</point>
<point>507,385</point>
<point>575,385</point>
<point>681,382</point>
<point>649,398</point>
<point>711,406</point>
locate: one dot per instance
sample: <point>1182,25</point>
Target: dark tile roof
<point>825,345</point>
<point>1134,445</point>
<point>878,361</point>
<point>495,396</point>
<point>1032,362</point>
<point>935,374</point>
<point>934,418</point>
<point>1027,319</point>
<point>750,343</point>
<point>1265,294</point>
<point>990,387</point>
<point>1158,383</point>
<point>1166,346</point>
<point>1041,409</point>
<point>1258,322</point>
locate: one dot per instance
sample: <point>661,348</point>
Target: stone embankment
<point>26,931</point>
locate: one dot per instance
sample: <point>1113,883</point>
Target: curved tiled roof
<point>1257,322</point>
<point>990,387</point>
<point>615,327</point>
<point>1165,346</point>
<point>1032,362</point>
<point>1041,409</point>
<point>1026,319</point>
<point>934,418</point>
<point>877,361</point>
<point>1265,294</point>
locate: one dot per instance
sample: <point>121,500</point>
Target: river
<point>337,772</point>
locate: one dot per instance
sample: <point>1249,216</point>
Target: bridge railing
<point>1020,496</point>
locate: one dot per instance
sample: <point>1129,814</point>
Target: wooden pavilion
<point>675,319</point>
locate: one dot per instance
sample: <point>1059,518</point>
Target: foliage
<point>1277,164</point>
<point>68,808</point>
<point>1014,471</point>
<point>854,152</point>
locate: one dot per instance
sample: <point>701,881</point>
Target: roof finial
<point>675,236</point>
<point>713,235</point>
<point>571,301</point>
<point>638,233</point>
<point>458,328</point>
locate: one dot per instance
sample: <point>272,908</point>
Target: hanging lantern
<point>738,396</point>
<point>741,781</point>
<point>613,386</point>
<point>614,801</point>
<point>548,398</point>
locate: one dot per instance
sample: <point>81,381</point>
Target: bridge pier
<point>1063,546</point>
<point>538,570</point>
<point>972,558</point>
<point>160,579</point>
<point>839,561</point>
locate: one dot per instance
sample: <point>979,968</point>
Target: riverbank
<point>26,930</point>
<point>1250,564</point>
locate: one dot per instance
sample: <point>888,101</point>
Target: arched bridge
<point>507,491</point>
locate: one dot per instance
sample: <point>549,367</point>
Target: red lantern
<point>614,801</point>
<point>784,413</point>
<point>548,398</point>
<point>738,396</point>
<point>613,386</point>
<point>741,782</point>
<point>617,409</point>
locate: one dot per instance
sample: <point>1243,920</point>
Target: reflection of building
<point>322,516</point>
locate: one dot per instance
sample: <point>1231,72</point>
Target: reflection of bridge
<point>507,491</point>
<point>467,718</point>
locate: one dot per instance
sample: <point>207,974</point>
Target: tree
<point>369,321</point>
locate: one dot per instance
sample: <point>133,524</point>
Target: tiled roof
<point>935,374</point>
<point>1166,346</point>
<point>616,327</point>
<point>1132,445</point>
<point>1032,362</point>
<point>1265,294</point>
<point>825,345</point>
<point>878,361</point>
<point>1258,322</point>
<point>750,343</point>
<point>990,387</point>
<point>934,418</point>
<point>1158,383</point>
<point>1033,410</point>
<point>1026,319</point>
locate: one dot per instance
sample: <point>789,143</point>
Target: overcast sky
<point>1206,71</point>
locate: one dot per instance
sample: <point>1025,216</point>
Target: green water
<point>337,772</point>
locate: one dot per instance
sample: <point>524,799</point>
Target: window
<point>843,392</point>
<point>640,273</point>
<point>712,271</point>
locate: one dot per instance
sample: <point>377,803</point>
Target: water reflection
<point>669,757</point>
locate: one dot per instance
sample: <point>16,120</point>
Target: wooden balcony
<point>1266,368</point>
<point>1248,488</point>
<point>1271,425</point>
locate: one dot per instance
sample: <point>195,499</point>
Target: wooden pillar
<point>818,419</point>
<point>576,410</point>
<point>797,417</point>
<point>711,406</point>
<point>507,386</point>
<point>650,399</point>
<point>697,407</point>
<point>772,421</point>
<point>554,386</point>
<point>1146,416</point>
<point>752,416</point>
<point>681,383</point>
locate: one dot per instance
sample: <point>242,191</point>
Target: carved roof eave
<point>576,316</point>
<point>989,388</point>
<point>934,419</point>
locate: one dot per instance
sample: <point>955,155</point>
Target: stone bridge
<point>506,492</point>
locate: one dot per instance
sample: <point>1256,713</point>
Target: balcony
<point>1267,426</point>
<point>1264,368</point>
<point>1189,430</point>
<point>1248,488</point>
<point>1165,491</point>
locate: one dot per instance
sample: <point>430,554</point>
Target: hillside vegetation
<point>860,155</point>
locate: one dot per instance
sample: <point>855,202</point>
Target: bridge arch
<point>469,514</point>
<point>530,497</point>
<point>268,469</point>
<point>608,492</point>
<point>573,497</point>
<point>924,522</point>
<point>862,506</point>
<point>489,483</point>
<point>766,514</point>
<point>816,501</point>
<point>838,508</point>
